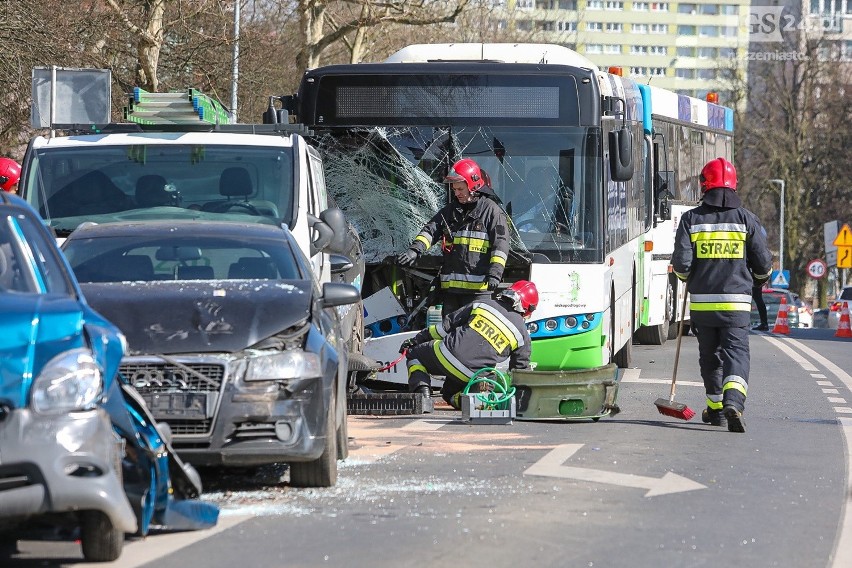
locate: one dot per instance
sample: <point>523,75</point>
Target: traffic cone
<point>781,325</point>
<point>844,329</point>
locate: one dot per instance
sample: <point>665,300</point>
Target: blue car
<point>77,446</point>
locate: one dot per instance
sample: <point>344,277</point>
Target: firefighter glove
<point>407,344</point>
<point>407,258</point>
<point>492,283</point>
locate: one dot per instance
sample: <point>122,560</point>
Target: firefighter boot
<point>713,417</point>
<point>426,394</point>
<point>735,419</point>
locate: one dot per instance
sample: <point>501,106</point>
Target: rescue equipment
<point>177,107</point>
<point>781,325</point>
<point>496,405</point>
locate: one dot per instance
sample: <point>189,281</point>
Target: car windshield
<point>163,258</point>
<point>69,185</point>
<point>29,262</point>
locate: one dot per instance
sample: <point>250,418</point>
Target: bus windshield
<point>105,183</point>
<point>390,182</point>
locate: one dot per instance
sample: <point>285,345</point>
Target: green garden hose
<point>501,394</point>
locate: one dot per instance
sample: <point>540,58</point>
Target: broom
<point>670,407</point>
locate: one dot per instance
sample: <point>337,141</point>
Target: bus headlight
<point>532,327</point>
<point>570,322</point>
<point>550,324</point>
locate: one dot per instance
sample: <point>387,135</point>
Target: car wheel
<point>321,472</point>
<point>101,541</point>
<point>343,438</point>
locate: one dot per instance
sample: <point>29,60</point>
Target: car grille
<point>160,378</point>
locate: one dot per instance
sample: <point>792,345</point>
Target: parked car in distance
<point>772,298</point>
<point>231,339</point>
<point>837,305</point>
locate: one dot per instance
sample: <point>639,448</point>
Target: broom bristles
<point>674,409</point>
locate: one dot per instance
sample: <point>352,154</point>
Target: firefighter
<point>10,173</point>
<point>721,252</point>
<point>481,334</point>
<point>474,236</point>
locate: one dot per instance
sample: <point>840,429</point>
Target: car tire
<point>101,541</point>
<point>321,472</point>
<point>343,438</point>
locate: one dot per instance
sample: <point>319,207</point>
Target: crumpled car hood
<point>171,317</point>
<point>33,330</point>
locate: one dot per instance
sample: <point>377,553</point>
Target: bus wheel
<point>658,334</point>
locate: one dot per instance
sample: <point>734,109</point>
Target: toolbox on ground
<point>568,395</point>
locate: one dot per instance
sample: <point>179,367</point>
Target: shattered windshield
<point>107,183</point>
<point>390,182</point>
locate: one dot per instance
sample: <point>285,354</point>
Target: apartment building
<point>832,20</point>
<point>690,47</point>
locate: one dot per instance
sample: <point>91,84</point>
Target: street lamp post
<point>780,182</point>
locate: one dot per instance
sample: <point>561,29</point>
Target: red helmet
<point>10,173</point>
<point>718,173</point>
<point>468,171</point>
<point>524,297</point>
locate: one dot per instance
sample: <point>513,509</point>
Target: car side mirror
<point>340,263</point>
<point>339,294</point>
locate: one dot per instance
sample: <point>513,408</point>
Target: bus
<point>592,169</point>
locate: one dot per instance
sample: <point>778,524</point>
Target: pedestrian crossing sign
<point>780,279</point>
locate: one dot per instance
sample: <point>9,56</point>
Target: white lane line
<point>154,547</point>
<point>831,391</point>
<point>818,375</point>
<point>426,424</point>
<point>680,383</point>
<point>836,400</point>
<point>843,546</point>
<point>825,383</point>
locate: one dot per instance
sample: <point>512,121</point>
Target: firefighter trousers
<point>422,362</point>
<point>723,356</point>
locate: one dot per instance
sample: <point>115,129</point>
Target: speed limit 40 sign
<point>817,268</point>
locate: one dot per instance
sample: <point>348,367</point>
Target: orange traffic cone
<point>844,329</point>
<point>781,325</point>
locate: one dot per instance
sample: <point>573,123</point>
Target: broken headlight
<point>286,365</point>
<point>69,382</point>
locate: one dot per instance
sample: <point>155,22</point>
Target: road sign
<point>844,257</point>
<point>817,268</point>
<point>843,238</point>
<point>780,279</point>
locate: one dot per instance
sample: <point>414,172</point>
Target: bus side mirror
<point>621,154</point>
<point>333,217</point>
<point>663,195</point>
<point>321,236</point>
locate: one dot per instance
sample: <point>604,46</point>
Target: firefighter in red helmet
<point>481,334</point>
<point>10,173</point>
<point>474,233</point>
<point>721,253</point>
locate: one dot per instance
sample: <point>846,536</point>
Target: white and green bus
<point>592,168</point>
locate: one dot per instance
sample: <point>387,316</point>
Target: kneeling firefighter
<point>481,334</point>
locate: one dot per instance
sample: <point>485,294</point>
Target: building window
<point>706,52</point>
<point>708,9</point>
<point>614,5</point>
<point>708,31</point>
<point>594,48</point>
<point>657,71</point>
<point>659,28</point>
<point>563,26</point>
<point>659,6</point>
<point>594,5</point>
<point>594,27</point>
<point>637,70</point>
<point>686,52</point>
<point>567,4</point>
<point>728,31</point>
<point>640,6</point>
<point>545,4</point>
<point>545,26</point>
<point>638,49</point>
<point>525,4</point>
<point>658,50</point>
<point>727,52</point>
<point>612,48</point>
<point>686,30</point>
<point>685,73</point>
<point>523,25</point>
<point>706,74</point>
<point>728,10</point>
<point>639,28</point>
<point>614,27</point>
<point>687,8</point>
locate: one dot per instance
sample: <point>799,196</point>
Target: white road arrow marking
<point>551,466</point>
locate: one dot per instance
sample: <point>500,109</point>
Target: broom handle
<point>677,348</point>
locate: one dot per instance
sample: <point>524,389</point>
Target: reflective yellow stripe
<point>498,260</point>
<point>682,275</point>
<point>423,240</point>
<point>501,325</point>
<point>720,307</point>
<point>720,249</point>
<point>473,245</point>
<point>417,367</point>
<point>447,365</point>
<point>718,236</point>
<point>464,285</point>
<point>734,385</point>
<point>433,332</point>
<point>713,405</point>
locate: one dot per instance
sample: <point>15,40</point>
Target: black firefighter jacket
<point>480,243</point>
<point>481,334</point>
<point>720,251</point>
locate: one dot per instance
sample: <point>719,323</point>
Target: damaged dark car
<point>231,339</point>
